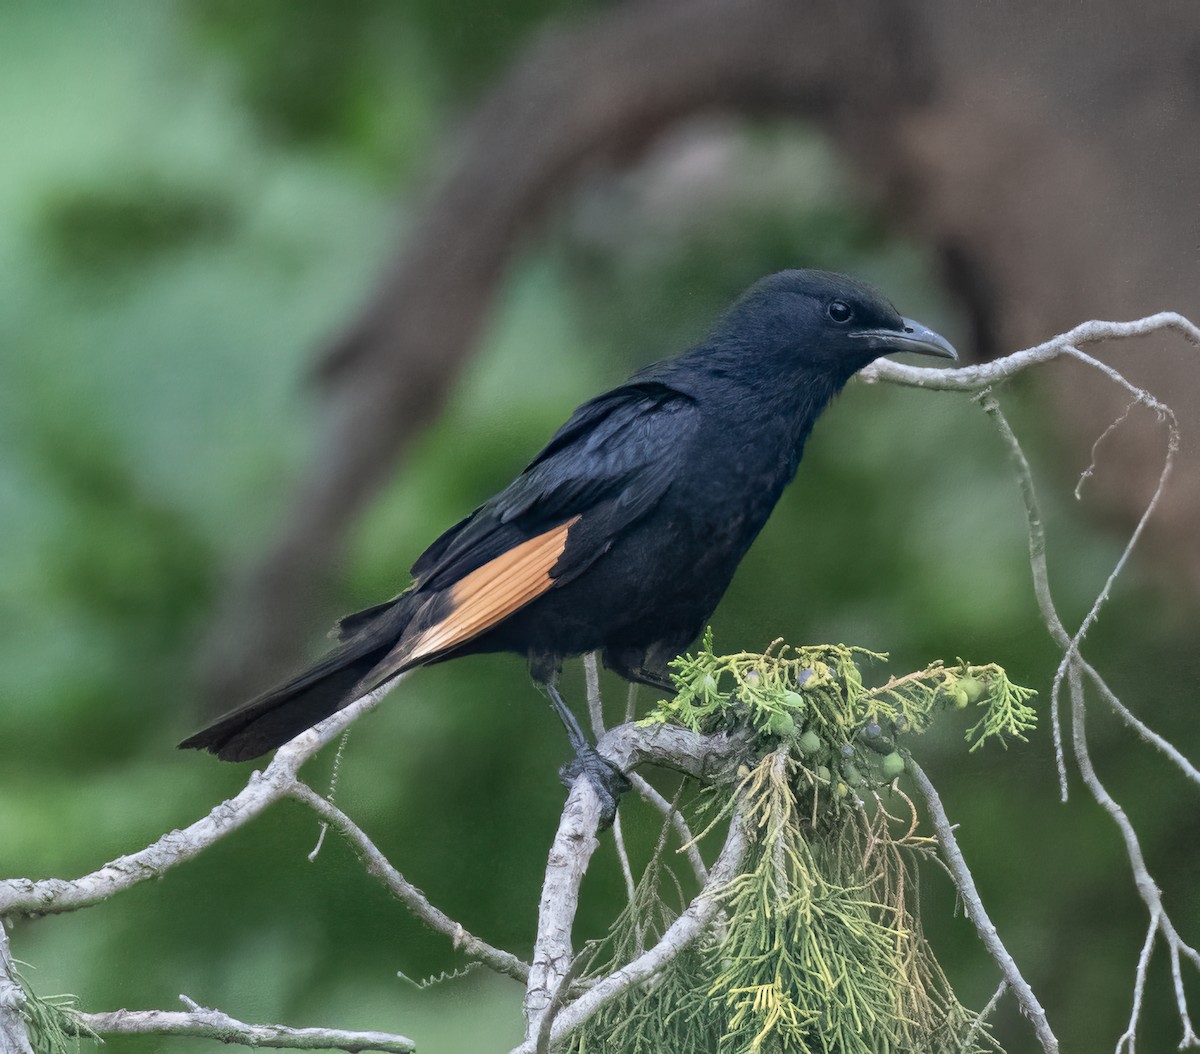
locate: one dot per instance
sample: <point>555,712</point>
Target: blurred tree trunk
<point>1048,156</point>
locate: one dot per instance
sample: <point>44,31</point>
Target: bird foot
<point>606,779</point>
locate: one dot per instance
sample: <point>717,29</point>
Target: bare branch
<point>381,868</point>
<point>1037,552</point>
<point>984,375</point>
<point>21,896</point>
<point>964,882</point>
<point>213,1024</point>
<point>1142,880</point>
<point>711,758</point>
<point>1073,667</point>
<point>1128,1040</point>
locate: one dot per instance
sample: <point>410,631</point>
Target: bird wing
<point>614,459</point>
<point>608,466</point>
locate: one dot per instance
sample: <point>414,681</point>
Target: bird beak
<point>914,338</point>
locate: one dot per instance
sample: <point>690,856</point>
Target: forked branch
<point>1073,668</point>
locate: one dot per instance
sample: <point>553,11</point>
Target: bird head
<point>833,322</point>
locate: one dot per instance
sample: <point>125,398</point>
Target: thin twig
<point>1148,734</point>
<point>381,868</point>
<point>964,882</point>
<point>1128,1040</point>
<point>591,670</point>
<point>981,1019</point>
<point>330,795</point>
<point>1143,881</point>
<point>1073,667</point>
<point>1037,562</point>
<point>213,1024</point>
<point>22,896</point>
<point>591,676</point>
<point>686,838</point>
<point>1165,413</point>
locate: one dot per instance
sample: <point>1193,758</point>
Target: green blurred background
<point>193,196</point>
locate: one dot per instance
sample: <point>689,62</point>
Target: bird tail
<point>271,719</point>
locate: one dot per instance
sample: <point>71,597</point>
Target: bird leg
<point>606,778</point>
<point>635,666</point>
<point>654,680</point>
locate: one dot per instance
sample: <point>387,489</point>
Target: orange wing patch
<point>489,594</point>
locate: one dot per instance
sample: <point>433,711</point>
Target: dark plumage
<point>624,532</point>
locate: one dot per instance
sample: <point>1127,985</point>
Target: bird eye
<point>839,311</point>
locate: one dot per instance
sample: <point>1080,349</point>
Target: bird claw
<point>608,781</point>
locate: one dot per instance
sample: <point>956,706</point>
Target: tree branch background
<point>196,199</point>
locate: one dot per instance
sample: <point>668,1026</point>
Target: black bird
<point>622,535</point>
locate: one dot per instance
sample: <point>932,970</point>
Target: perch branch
<point>707,757</point>
<point>679,935</point>
<point>964,882</point>
<point>21,896</point>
